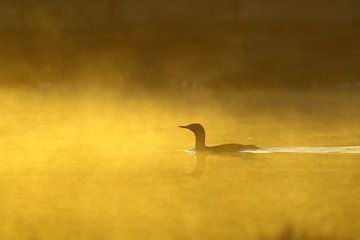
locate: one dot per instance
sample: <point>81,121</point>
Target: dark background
<point>180,44</point>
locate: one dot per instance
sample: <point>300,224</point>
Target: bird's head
<point>195,127</point>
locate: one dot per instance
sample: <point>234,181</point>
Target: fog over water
<point>92,95</point>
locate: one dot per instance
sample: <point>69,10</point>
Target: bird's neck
<point>200,141</point>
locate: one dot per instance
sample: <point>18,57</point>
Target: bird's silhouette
<point>200,145</point>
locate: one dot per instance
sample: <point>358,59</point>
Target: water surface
<point>90,169</point>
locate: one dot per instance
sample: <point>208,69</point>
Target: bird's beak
<point>183,126</point>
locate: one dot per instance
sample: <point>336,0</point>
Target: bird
<point>200,145</point>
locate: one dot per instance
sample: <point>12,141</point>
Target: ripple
<point>342,149</point>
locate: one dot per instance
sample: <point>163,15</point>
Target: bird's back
<point>231,147</point>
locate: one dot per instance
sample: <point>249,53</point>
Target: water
<point>89,169</point>
<point>343,149</point>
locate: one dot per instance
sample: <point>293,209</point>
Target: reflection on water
<point>288,196</point>
<point>99,169</point>
<point>200,165</point>
<point>200,157</point>
<point>272,196</point>
<point>90,196</point>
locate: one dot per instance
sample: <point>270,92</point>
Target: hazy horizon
<point>203,44</point>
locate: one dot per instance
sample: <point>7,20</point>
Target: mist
<point>156,46</point>
<point>92,94</point>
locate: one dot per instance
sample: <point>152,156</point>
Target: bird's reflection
<point>200,162</point>
<point>200,165</point>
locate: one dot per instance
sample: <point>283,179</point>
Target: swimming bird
<point>200,145</point>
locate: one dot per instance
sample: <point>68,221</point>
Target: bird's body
<point>200,145</point>
<point>230,147</point>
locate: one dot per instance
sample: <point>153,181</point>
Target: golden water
<point>97,165</point>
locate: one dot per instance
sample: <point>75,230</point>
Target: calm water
<point>175,196</point>
<point>87,171</point>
